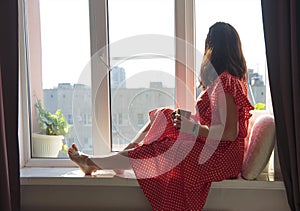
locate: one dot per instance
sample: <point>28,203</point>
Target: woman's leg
<point>118,161</point>
<point>139,136</point>
<point>83,161</point>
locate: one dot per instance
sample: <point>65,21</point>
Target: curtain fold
<point>9,154</point>
<point>281,19</point>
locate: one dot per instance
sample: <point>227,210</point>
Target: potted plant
<point>53,129</point>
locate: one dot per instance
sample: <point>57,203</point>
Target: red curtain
<point>9,154</point>
<point>281,20</point>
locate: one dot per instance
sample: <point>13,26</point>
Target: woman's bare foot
<point>83,161</point>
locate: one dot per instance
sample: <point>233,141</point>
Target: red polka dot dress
<point>175,169</point>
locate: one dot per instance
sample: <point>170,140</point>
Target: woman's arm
<point>227,129</point>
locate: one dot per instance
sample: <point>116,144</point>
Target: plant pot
<point>46,145</point>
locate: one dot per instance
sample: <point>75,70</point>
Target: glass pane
<point>65,55</point>
<point>142,78</point>
<point>245,16</point>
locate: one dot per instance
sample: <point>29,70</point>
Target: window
<point>135,72</point>
<point>120,119</point>
<point>84,58</point>
<point>61,46</point>
<point>140,119</point>
<point>70,119</point>
<point>58,49</point>
<point>87,119</point>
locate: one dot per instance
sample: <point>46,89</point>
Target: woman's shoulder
<point>227,83</point>
<point>230,81</point>
<point>226,76</point>
<point>235,86</point>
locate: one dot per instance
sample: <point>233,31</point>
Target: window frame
<point>99,40</point>
<point>185,77</point>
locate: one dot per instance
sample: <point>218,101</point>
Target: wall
<point>227,195</point>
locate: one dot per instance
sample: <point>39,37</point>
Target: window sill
<point>73,176</point>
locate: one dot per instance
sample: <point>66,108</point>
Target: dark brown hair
<point>223,52</point>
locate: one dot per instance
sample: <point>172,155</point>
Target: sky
<point>65,35</point>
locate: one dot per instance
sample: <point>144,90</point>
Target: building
<point>257,87</point>
<point>117,77</point>
<point>64,97</point>
<point>129,109</point>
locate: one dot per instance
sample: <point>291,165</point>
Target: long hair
<point>223,52</point>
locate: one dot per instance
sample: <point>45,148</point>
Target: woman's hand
<point>182,123</point>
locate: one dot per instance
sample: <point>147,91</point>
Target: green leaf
<point>260,106</point>
<point>52,124</point>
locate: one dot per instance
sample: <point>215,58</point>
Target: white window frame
<point>185,76</point>
<point>184,29</point>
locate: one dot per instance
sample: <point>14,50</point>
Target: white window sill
<point>74,176</point>
<point>71,176</point>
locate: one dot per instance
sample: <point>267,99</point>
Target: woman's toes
<point>74,147</point>
<point>84,163</point>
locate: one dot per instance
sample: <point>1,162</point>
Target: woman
<point>175,158</point>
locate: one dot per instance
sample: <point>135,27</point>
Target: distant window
<point>70,119</point>
<point>140,119</point>
<point>115,119</point>
<point>87,119</point>
<point>120,118</point>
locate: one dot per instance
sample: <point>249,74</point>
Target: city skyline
<point>129,107</point>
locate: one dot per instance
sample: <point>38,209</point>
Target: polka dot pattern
<point>166,163</point>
